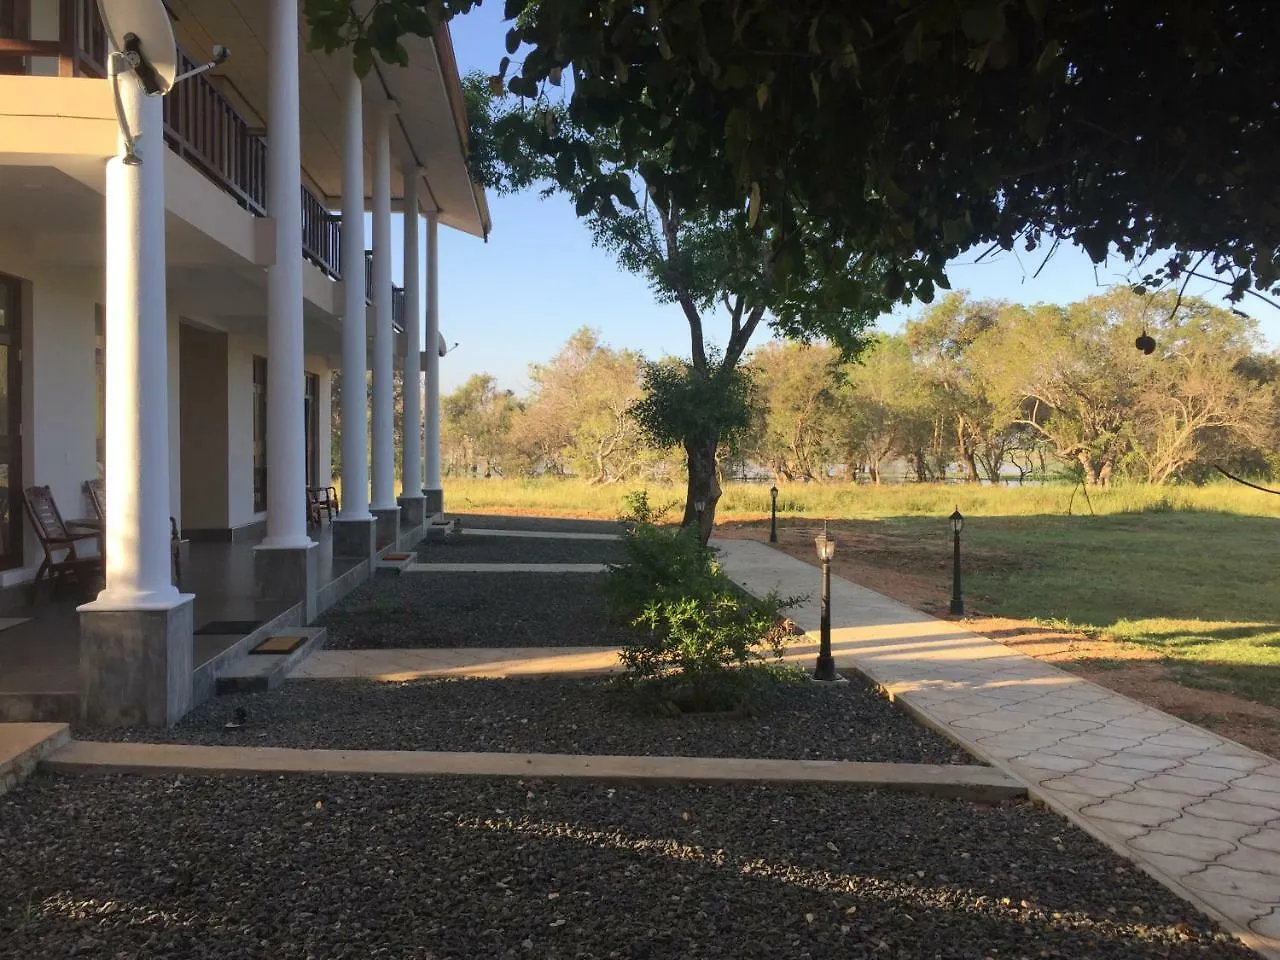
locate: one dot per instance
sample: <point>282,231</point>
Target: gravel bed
<point>485,549</point>
<point>538,524</point>
<point>209,868</point>
<point>557,715</point>
<point>473,610</point>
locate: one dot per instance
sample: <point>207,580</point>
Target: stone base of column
<point>388,525</point>
<point>136,665</point>
<point>288,574</point>
<point>435,502</point>
<point>413,512</point>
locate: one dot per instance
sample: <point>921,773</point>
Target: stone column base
<point>413,511</point>
<point>289,574</point>
<point>356,540</point>
<point>136,665</point>
<point>435,502</point>
<point>388,526</point>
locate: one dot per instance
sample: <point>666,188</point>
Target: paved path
<point>1198,812</point>
<point>506,568</point>
<point>529,534</point>
<point>948,780</point>
<point>414,664</point>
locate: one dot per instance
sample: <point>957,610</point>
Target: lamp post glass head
<point>773,492</point>
<point>957,521</point>
<point>699,505</point>
<point>826,546</point>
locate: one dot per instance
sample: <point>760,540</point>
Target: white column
<point>384,497</point>
<point>411,470</point>
<point>355,347</point>
<point>286,438</point>
<point>137,364</point>
<point>433,353</point>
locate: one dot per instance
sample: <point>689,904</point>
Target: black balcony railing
<point>200,125</point>
<point>397,294</point>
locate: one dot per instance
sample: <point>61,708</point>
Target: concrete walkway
<point>493,662</point>
<point>948,780</point>
<point>531,535</point>
<point>1198,812</point>
<point>506,568</point>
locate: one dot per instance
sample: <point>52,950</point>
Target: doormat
<point>281,643</point>
<point>7,622</point>
<point>228,627</point>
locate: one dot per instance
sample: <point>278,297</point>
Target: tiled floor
<point>1199,812</point>
<point>42,655</point>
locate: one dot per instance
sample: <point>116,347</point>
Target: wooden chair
<point>321,501</point>
<point>59,540</point>
<point>97,491</point>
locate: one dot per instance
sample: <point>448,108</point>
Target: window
<point>259,434</point>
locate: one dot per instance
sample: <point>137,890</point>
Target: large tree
<point>719,268</point>
<point>914,130</point>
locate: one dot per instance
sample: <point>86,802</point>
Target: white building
<point>203,392</point>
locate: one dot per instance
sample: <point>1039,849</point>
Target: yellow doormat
<point>281,643</point>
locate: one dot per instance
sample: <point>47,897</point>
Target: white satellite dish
<point>140,30</point>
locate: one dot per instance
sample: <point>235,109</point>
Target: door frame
<point>11,336</point>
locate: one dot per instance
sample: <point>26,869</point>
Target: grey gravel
<point>474,610</point>
<point>470,869</point>
<point>555,524</point>
<point>557,715</point>
<point>488,549</point>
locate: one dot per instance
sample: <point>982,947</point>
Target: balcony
<point>397,294</point>
<point>200,124</point>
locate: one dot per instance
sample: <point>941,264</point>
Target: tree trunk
<point>704,486</point>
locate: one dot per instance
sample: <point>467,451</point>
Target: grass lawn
<point>1200,588</point>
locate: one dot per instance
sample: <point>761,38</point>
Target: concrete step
<point>394,562</point>
<point>23,745</point>
<point>258,672</point>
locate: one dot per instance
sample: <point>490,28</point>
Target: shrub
<point>702,638</point>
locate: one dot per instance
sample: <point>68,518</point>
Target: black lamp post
<point>773,521</point>
<point>699,506</point>
<point>826,669</point>
<point>957,601</point>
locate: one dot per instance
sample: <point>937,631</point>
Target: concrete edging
<point>984,784</point>
<point>24,745</point>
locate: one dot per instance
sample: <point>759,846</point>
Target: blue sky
<point>514,300</point>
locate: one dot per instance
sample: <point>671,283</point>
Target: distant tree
<point>886,406</point>
<point>797,423</point>
<point>578,417</point>
<point>476,424</point>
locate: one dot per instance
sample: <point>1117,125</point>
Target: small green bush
<point>702,639</point>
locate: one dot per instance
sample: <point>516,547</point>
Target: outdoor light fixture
<point>826,668</point>
<point>773,520</point>
<point>957,601</point>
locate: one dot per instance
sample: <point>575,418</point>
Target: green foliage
<point>680,402</point>
<point>913,131</point>
<point>698,630</point>
<point>639,511</point>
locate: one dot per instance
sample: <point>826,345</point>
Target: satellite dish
<point>141,31</point>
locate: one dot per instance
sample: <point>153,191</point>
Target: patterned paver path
<point>1198,812</point>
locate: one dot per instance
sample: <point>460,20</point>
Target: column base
<point>136,665</point>
<point>388,519</point>
<point>435,502</point>
<point>288,574</point>
<point>413,511</point>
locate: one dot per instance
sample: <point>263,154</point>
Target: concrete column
<point>284,561</point>
<point>385,508</point>
<point>136,637</point>
<point>432,487</point>
<point>353,533</point>
<point>412,502</point>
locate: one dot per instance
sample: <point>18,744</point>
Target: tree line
<point>970,389</point>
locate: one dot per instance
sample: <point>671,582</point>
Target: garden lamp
<point>826,667</point>
<point>773,521</point>
<point>957,601</point>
